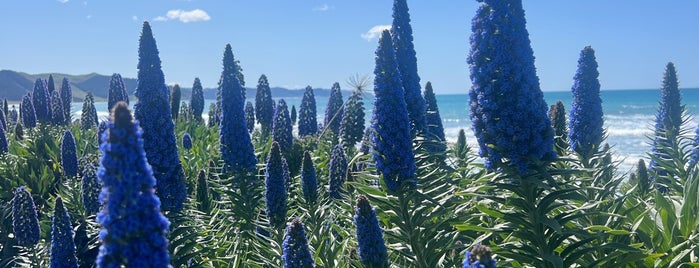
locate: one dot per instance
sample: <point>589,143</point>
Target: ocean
<point>628,116</point>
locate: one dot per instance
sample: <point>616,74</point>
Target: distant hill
<point>14,85</point>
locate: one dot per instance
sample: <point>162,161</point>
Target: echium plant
<point>557,115</point>
<point>67,99</point>
<point>338,171</point>
<point>296,253</point>
<point>309,181</point>
<point>434,130</point>
<point>187,141</point>
<point>372,248</point>
<point>90,189</point>
<point>249,117</point>
<point>281,132</point>
<point>275,187</point>
<point>27,112</point>
<point>40,99</point>
<point>69,155</point>
<point>134,230</point>
<point>4,146</point>
<point>88,119</point>
<point>25,224</point>
<point>62,244</point>
<point>293,115</point>
<point>236,146</point>
<point>333,111</point>
<point>479,257</point>
<point>393,151</point>
<point>352,124</point>
<point>502,64</point>
<point>175,97</point>
<point>402,35</point>
<point>57,114</point>
<point>196,102</point>
<point>308,122</point>
<point>153,112</point>
<point>264,105</point>
<point>668,123</point>
<point>586,118</point>
<point>3,119</point>
<point>116,91</point>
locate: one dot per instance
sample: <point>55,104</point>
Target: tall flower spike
<point>175,97</point>
<point>3,119</point>
<point>250,116</point>
<point>352,125</point>
<point>393,151</point>
<point>434,128</point>
<point>4,146</point>
<point>264,105</point>
<point>134,231</point>
<point>402,34</point>
<point>295,253</point>
<point>90,189</point>
<point>116,90</point>
<point>372,250</point>
<point>62,244</point>
<point>40,99</point>
<point>309,182</point>
<point>281,132</point>
<point>196,102</point>
<point>338,171</point>
<point>514,129</point>
<point>153,112</point>
<point>308,121</point>
<point>57,114</point>
<point>668,122</point>
<point>236,146</point>
<point>69,155</point>
<point>557,114</point>
<point>586,118</point>
<point>88,118</point>
<point>293,115</point>
<point>333,112</point>
<point>275,187</point>
<point>25,224</point>
<point>67,99</point>
<point>27,112</point>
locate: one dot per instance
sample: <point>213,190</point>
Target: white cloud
<point>88,17</point>
<point>375,32</point>
<point>134,18</point>
<point>62,1</point>
<point>323,8</point>
<point>184,16</point>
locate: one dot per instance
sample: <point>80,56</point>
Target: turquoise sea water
<point>629,116</point>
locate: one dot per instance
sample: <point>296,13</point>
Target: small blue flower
<point>296,253</point>
<point>25,224</point>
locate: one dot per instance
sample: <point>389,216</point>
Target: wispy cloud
<point>134,18</point>
<point>62,1</point>
<point>323,8</point>
<point>375,32</point>
<point>88,16</point>
<point>184,16</point>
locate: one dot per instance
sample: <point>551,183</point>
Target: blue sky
<point>318,42</point>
